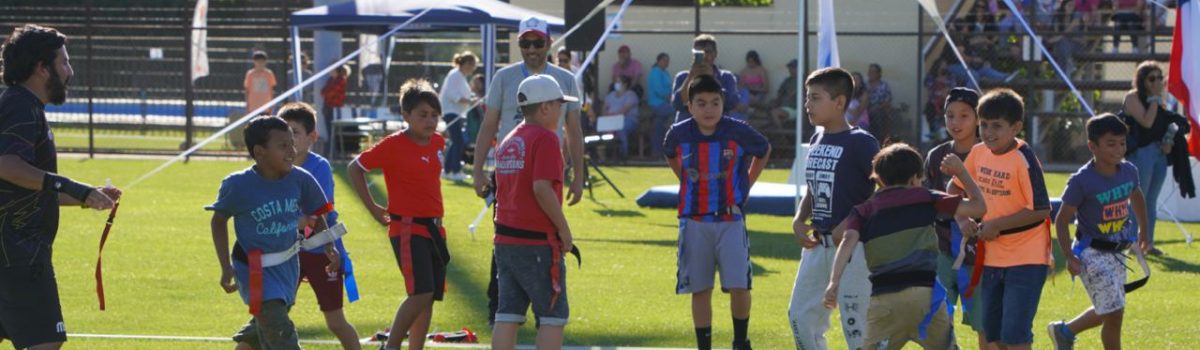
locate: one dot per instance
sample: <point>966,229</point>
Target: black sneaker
<point>743,346</point>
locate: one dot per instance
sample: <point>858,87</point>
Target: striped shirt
<point>716,168</point>
<point>896,228</point>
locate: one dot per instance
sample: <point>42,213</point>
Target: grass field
<point>161,274</point>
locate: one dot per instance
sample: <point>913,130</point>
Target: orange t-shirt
<point>412,173</point>
<point>260,88</point>
<point>1011,182</point>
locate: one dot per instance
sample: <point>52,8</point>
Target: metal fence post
<point>189,95</point>
<point>90,84</point>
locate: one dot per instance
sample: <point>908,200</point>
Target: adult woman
<point>879,103</point>
<point>856,113</point>
<point>754,79</point>
<point>456,97</point>
<point>1144,105</point>
<point>623,101</point>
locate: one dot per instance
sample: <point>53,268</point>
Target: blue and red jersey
<point>716,168</point>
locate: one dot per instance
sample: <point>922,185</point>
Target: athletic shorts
<point>705,248</point>
<point>30,313</point>
<point>327,286</point>
<point>423,270</point>
<point>1104,279</point>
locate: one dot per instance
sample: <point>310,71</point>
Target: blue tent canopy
<point>377,16</point>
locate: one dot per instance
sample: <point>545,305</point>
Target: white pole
<point>797,176</point>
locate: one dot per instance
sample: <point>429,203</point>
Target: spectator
<point>628,67</point>
<point>856,113</point>
<point>1063,47</point>
<point>1086,12</point>
<point>785,102</point>
<point>754,78</point>
<point>259,83</point>
<point>456,98</point>
<point>742,110</point>
<point>623,101</point>
<point>1146,106</point>
<point>1127,16</point>
<point>1043,13</point>
<point>706,64</point>
<point>939,86</point>
<point>475,116</point>
<point>306,94</point>
<point>879,105</point>
<point>563,60</point>
<point>373,75</point>
<point>980,68</point>
<point>334,96</point>
<point>659,99</point>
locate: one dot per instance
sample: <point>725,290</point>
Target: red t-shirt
<point>411,172</point>
<point>529,153</point>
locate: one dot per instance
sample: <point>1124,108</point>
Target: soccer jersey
<point>1012,182</point>
<point>1102,202</point>
<point>838,172</point>
<point>530,153</point>
<point>411,172</point>
<point>266,215</point>
<point>896,228</point>
<point>716,168</point>
<point>28,218</point>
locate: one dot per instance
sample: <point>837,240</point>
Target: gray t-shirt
<point>502,95</point>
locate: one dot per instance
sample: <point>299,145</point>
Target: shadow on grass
<point>1172,264</point>
<point>619,213</point>
<point>762,244</point>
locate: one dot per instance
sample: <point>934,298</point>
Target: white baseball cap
<point>540,88</point>
<point>534,24</point>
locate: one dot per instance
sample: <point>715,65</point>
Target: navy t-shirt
<point>28,218</point>
<point>716,167</point>
<point>1102,202</point>
<point>838,171</point>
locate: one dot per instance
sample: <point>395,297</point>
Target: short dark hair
<point>701,84</point>
<point>530,109</point>
<point>258,54</point>
<point>1105,124</point>
<point>706,40</point>
<point>1002,104</point>
<point>896,164</point>
<point>28,46</point>
<point>258,131</point>
<point>416,91</point>
<point>660,56</point>
<point>299,112</point>
<point>834,80</point>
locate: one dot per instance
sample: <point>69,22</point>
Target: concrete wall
<point>896,54</point>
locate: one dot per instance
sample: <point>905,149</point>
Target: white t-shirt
<point>455,88</point>
<point>502,95</point>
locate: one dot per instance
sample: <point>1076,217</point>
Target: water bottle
<point>1169,137</point>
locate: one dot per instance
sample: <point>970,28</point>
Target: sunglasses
<point>1154,78</point>
<point>537,44</point>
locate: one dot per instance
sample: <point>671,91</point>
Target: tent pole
<point>297,65</point>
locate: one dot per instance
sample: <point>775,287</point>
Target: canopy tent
<point>378,16</point>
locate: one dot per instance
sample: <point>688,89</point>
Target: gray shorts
<point>271,330</point>
<point>705,248</point>
<point>523,275</point>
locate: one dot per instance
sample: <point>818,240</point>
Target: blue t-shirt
<point>1102,203</point>
<point>658,91</point>
<point>716,167</point>
<point>265,216</point>
<point>838,171</point>
<point>316,165</point>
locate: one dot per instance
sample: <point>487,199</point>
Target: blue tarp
<point>376,16</point>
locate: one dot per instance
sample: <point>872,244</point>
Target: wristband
<point>61,184</point>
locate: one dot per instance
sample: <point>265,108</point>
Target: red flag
<point>1184,72</point>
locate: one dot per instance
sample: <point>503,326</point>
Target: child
<point>1014,257</point>
<point>411,161</point>
<point>962,125</point>
<point>531,232</point>
<point>721,156</point>
<point>1098,197</point>
<point>838,172</point>
<point>302,118</point>
<point>333,97</point>
<point>259,83</point>
<point>896,227</point>
<point>270,203</point>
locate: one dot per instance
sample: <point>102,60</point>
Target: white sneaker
<point>457,177</point>
<point>447,176</point>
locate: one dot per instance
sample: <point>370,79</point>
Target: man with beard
<point>503,116</point>
<point>36,70</point>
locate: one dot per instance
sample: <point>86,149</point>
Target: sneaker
<point>1058,337</point>
<point>742,346</point>
<point>447,176</point>
<point>457,177</point>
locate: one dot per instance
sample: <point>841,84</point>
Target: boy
<point>838,172</point>
<point>1098,197</point>
<point>896,227</point>
<point>259,84</point>
<point>531,232</point>
<point>270,203</point>
<point>1014,257</point>
<point>411,161</point>
<point>962,125</point>
<point>302,118</point>
<point>717,159</point>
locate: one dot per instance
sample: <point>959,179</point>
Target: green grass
<point>133,139</point>
<point>161,274</point>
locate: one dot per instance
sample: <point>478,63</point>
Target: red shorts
<point>327,287</point>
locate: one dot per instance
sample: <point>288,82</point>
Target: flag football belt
<point>555,253</point>
<point>1109,246</point>
<point>433,226</point>
<point>257,260</point>
<point>730,210</point>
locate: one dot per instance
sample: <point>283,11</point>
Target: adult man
<point>705,65</point>
<point>36,70</point>
<point>503,115</point>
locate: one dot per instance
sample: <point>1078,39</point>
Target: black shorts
<point>423,269</point>
<point>30,313</point>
